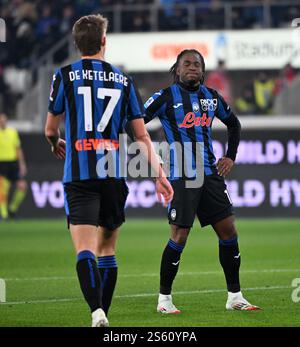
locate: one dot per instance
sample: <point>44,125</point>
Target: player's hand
<point>60,149</point>
<point>164,188</point>
<point>224,166</point>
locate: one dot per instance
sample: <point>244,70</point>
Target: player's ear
<point>103,41</point>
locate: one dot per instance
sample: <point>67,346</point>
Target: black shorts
<point>96,202</point>
<point>211,202</point>
<point>10,170</point>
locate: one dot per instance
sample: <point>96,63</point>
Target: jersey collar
<point>189,88</point>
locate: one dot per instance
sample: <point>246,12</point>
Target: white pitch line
<point>143,295</point>
<point>196,273</point>
<point>55,278</point>
<point>215,272</point>
<point>205,291</point>
<point>44,301</point>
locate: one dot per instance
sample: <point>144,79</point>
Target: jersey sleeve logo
<point>152,98</point>
<point>148,102</point>
<point>51,88</point>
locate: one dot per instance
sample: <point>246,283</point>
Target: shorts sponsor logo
<point>173,214</point>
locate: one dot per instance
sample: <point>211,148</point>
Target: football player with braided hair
<point>186,110</point>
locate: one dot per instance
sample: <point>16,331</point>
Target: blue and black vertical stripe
<point>173,135</point>
<point>91,160</point>
<point>209,157</point>
<point>72,161</point>
<point>81,165</point>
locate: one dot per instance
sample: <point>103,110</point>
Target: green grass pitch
<point>37,262</point>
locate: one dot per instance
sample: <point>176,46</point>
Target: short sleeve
<point>154,105</point>
<point>56,98</point>
<point>224,110</point>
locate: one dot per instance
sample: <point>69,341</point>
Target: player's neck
<point>98,56</point>
<point>188,87</point>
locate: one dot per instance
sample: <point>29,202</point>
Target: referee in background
<point>12,170</point>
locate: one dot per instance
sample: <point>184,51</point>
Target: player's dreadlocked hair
<point>180,55</point>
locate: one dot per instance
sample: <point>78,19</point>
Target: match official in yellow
<point>12,170</point>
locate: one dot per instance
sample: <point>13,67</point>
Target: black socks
<point>109,271</point>
<point>89,279</point>
<point>230,260</point>
<point>169,266</point>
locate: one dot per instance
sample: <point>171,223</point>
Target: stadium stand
<point>40,30</point>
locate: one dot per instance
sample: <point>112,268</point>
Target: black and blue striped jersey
<point>186,117</point>
<point>97,99</point>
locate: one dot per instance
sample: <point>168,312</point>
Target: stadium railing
<point>43,67</point>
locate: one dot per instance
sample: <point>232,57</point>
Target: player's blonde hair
<point>88,32</point>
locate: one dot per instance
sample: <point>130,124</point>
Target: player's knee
<point>109,233</point>
<point>228,232</point>
<point>179,234</point>
<point>226,229</point>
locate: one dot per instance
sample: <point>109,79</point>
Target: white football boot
<point>166,306</point>
<point>99,319</point>
<point>236,301</point>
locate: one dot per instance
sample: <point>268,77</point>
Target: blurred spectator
<point>173,18</point>
<point>282,15</point>
<point>220,81</point>
<point>25,17</point>
<point>68,19</point>
<point>263,93</point>
<point>245,104</point>
<point>84,7</point>
<point>285,79</point>
<point>47,29</point>
<point>141,21</point>
<point>247,16</point>
<point>46,22</point>
<point>210,14</point>
<point>136,21</point>
<point>5,94</point>
<point>34,26</point>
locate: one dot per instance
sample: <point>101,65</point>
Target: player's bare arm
<point>163,186</point>
<point>226,163</point>
<point>52,134</point>
<point>224,166</point>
